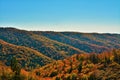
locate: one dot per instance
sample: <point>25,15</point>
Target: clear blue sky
<point>62,15</point>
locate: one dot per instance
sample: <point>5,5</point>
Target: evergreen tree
<point>80,67</point>
<point>92,77</point>
<point>94,58</point>
<point>71,68</point>
<point>116,56</point>
<point>16,68</point>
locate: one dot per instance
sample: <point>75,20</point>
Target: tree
<point>16,68</point>
<point>94,58</point>
<point>63,65</point>
<point>116,56</point>
<point>92,76</point>
<point>74,77</point>
<point>80,67</point>
<point>71,68</point>
<point>54,73</point>
<point>57,78</point>
<point>5,75</point>
<point>107,61</point>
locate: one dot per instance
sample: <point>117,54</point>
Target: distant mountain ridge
<point>59,45</point>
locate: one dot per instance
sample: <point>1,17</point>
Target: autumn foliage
<point>83,67</point>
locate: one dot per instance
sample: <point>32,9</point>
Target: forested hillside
<point>88,42</point>
<point>27,57</point>
<point>104,66</point>
<point>53,49</point>
<point>59,45</point>
<point>38,55</point>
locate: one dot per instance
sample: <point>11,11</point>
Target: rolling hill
<point>27,57</point>
<point>47,55</point>
<point>104,66</point>
<point>51,48</point>
<point>59,45</point>
<point>88,42</point>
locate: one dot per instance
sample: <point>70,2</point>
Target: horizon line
<point>92,32</point>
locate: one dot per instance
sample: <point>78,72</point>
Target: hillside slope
<point>104,66</point>
<point>27,57</point>
<point>59,45</point>
<point>48,47</point>
<point>88,42</point>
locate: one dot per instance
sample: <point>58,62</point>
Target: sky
<point>102,16</point>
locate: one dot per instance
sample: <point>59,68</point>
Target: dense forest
<point>47,55</point>
<point>104,66</point>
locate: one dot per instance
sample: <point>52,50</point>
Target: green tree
<point>5,75</point>
<point>71,68</point>
<point>94,58</point>
<point>80,67</point>
<point>107,61</point>
<point>16,68</point>
<point>116,56</point>
<point>68,78</point>
<point>54,73</point>
<point>63,65</point>
<point>92,77</point>
<point>74,77</point>
<point>57,78</point>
